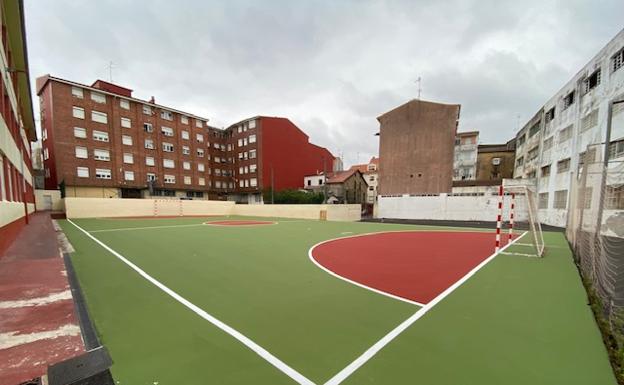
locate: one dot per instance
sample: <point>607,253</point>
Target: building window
<point>563,166</point>
<point>147,110</point>
<point>126,140</point>
<point>253,167</point>
<point>80,132</point>
<point>616,149</point>
<point>186,150</point>
<point>99,117</point>
<point>82,172</point>
<point>241,183</point>
<point>101,155</point>
<point>46,154</point>
<point>548,143</point>
<point>520,161</point>
<point>240,142</point>
<point>614,198</point>
<point>149,143</point>
<point>202,181</point>
<point>617,61</point>
<point>184,119</point>
<point>129,175</point>
<point>200,152</point>
<point>371,178</point>
<point>78,112</point>
<point>217,171</point>
<point>98,97</point>
<point>200,167</point>
<point>186,165</point>
<point>533,153</point>
<point>561,199</point>
<point>252,154</point>
<point>521,139</point>
<point>170,179</point>
<point>167,115</point>
<point>168,163</point>
<point>592,81</point>
<point>147,127</point>
<point>167,131</point>
<point>167,147</point>
<point>545,171</point>
<point>151,177</point>
<point>590,120</point>
<point>565,134</point>
<point>549,116</point>
<point>187,179</point>
<point>199,123</point>
<point>103,173</point>
<point>253,182</point>
<point>81,152</point>
<point>77,92</point>
<point>100,136</point>
<point>252,124</point>
<point>200,138</point>
<point>543,201</point>
<point>128,158</point>
<point>126,123</point>
<point>568,100</point>
<point>149,161</point>
<point>185,135</point>
<point>125,104</point>
<point>252,138</point>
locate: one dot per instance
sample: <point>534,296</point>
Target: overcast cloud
<point>331,67</point>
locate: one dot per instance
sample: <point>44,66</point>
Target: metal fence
<point>595,230</point>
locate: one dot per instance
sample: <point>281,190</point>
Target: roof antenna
<point>110,71</point>
<point>419,82</point>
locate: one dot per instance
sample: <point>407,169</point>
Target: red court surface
<point>414,265</point>
<point>238,223</point>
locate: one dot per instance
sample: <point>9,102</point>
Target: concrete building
<point>99,141</point>
<point>552,145</point>
<point>416,145</point>
<point>465,155</point>
<point>17,125</point>
<point>495,161</point>
<point>370,171</point>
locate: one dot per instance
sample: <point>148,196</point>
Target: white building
<point>370,171</point>
<point>552,145</point>
<point>465,157</point>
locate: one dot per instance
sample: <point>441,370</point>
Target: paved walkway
<point>38,325</point>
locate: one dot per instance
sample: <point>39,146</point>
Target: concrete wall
<point>12,211</point>
<point>101,207</point>
<point>55,197</point>
<point>449,207</point>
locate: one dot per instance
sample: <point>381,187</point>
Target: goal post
<point>521,195</point>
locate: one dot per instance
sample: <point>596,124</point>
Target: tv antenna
<point>419,82</point>
<point>110,67</point>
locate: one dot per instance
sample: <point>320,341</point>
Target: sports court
<point>199,300</point>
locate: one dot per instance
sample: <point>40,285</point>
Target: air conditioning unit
<point>496,161</point>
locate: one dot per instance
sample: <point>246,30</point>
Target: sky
<point>331,67</point>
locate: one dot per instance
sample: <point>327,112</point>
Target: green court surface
<point>517,320</point>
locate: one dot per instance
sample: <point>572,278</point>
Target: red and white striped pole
<point>499,218</point>
<point>511,215</point>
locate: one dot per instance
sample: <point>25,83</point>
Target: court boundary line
<point>385,340</point>
<point>259,350</point>
<point>143,228</point>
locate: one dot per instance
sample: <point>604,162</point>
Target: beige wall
<point>55,195</point>
<point>100,207</point>
<point>12,211</point>
<point>91,192</point>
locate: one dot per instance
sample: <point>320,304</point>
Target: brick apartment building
<point>99,141</point>
<point>17,125</point>
<point>416,145</point>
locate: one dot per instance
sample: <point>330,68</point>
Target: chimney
<point>152,100</point>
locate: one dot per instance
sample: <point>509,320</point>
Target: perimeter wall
<point>104,207</point>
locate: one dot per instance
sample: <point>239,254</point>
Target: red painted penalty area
<point>414,265</point>
<point>238,223</point>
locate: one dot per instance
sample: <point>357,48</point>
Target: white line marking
<point>290,372</point>
<point>143,228</point>
<point>368,354</point>
<point>311,257</point>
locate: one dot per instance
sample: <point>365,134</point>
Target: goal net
<point>519,203</point>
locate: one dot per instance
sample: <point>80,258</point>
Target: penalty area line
<point>368,354</point>
<point>276,362</point>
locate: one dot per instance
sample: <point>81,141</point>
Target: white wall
<point>55,196</point>
<point>448,207</point>
<point>12,211</point>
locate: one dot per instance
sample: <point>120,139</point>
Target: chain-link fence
<point>595,230</point>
